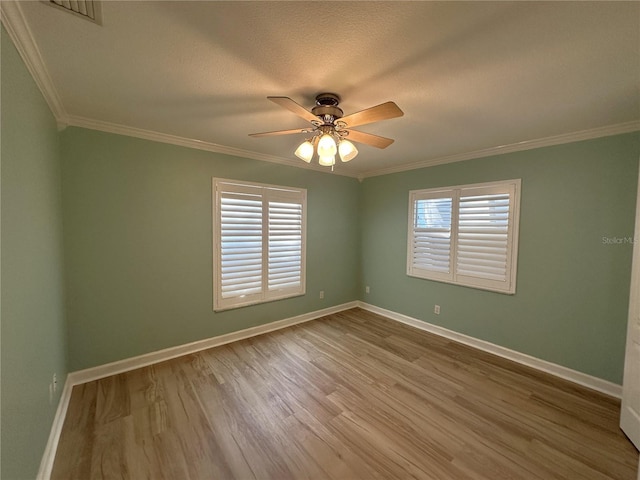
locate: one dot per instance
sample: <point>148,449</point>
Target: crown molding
<point>513,147</point>
<point>16,25</point>
<point>76,121</point>
<point>13,19</point>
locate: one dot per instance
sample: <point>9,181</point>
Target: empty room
<point>319,240</point>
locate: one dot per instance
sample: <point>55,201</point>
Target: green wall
<point>128,223</point>
<point>138,246</point>
<point>571,301</point>
<point>33,330</point>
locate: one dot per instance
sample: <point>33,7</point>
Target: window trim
<point>455,193</point>
<point>275,193</point>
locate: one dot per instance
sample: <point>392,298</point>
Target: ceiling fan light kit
<point>347,150</point>
<point>330,128</point>
<point>305,151</point>
<point>327,146</point>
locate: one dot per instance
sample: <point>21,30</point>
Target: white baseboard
<point>594,383</point>
<point>46,464</point>
<point>95,373</point>
<point>106,370</point>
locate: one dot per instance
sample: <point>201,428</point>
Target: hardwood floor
<point>350,396</point>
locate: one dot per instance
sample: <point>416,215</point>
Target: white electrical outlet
<point>55,383</point>
<point>367,289</point>
<point>321,294</point>
<point>436,309</point>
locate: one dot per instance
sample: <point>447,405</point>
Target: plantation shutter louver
<point>259,243</point>
<point>476,245</point>
<point>484,235</point>
<point>241,244</point>
<point>431,245</point>
<point>483,231</point>
<point>285,245</point>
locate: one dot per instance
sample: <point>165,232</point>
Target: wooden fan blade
<point>383,111</point>
<point>369,139</point>
<point>294,107</point>
<point>280,132</point>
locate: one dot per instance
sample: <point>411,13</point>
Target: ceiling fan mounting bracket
<point>327,99</point>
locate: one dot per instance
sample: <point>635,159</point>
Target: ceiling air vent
<point>87,9</point>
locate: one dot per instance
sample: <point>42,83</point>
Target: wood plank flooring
<point>349,396</point>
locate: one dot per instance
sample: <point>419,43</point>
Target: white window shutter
<point>483,235</point>
<point>476,245</point>
<point>240,252</point>
<point>431,242</point>
<point>259,243</point>
<point>285,246</point>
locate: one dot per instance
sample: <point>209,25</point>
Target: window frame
<point>268,194</point>
<point>455,193</point>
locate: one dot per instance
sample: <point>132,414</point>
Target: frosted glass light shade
<point>347,150</point>
<point>327,160</point>
<point>327,146</point>
<point>305,151</point>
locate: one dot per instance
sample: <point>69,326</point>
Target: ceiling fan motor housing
<point>327,104</point>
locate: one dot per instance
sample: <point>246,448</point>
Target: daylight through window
<point>465,235</point>
<point>259,243</point>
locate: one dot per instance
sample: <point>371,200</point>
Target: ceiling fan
<point>330,131</point>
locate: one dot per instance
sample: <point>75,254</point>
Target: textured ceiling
<point>469,76</point>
